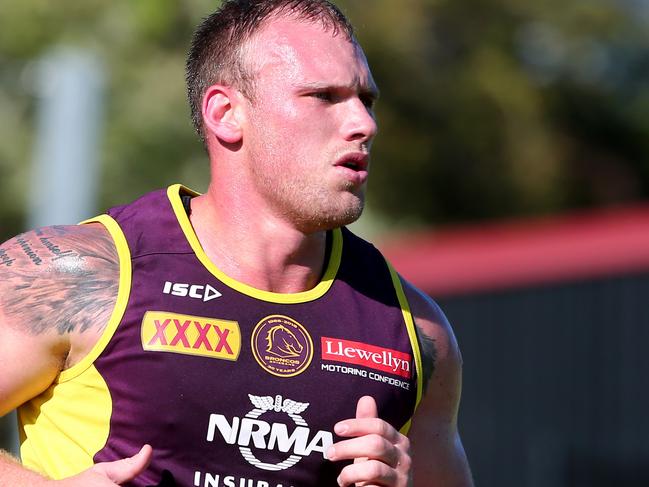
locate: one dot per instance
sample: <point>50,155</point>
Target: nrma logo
<point>206,292</point>
<point>251,431</point>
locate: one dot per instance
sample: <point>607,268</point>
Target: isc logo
<point>206,293</point>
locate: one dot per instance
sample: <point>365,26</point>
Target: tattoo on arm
<point>428,355</point>
<point>5,260</point>
<point>59,278</point>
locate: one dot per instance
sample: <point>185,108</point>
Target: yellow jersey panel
<point>63,428</point>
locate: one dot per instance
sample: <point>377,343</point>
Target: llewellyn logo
<point>281,346</point>
<point>250,430</point>
<point>377,358</point>
<point>206,292</point>
<point>190,335</point>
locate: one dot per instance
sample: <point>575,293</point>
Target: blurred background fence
<point>552,318</point>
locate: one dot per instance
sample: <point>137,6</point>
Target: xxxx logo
<point>191,335</point>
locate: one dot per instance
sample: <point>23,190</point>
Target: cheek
<point>276,105</point>
<point>280,124</point>
<point>287,125</point>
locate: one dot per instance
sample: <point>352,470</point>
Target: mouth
<point>353,168</point>
<point>356,161</point>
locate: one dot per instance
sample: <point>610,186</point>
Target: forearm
<point>108,474</point>
<point>13,474</point>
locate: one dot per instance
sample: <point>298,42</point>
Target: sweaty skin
<point>289,163</point>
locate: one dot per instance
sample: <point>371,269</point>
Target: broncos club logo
<point>282,342</point>
<point>282,346</point>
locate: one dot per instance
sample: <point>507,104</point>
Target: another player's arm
<point>58,287</point>
<point>437,453</point>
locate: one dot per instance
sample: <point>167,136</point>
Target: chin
<point>351,216</point>
<point>334,218</point>
<point>352,210</point>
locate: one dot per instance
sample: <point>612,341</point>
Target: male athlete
<point>242,337</point>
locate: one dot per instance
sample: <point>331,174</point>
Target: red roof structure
<point>489,257</point>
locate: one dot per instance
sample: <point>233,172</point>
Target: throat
<point>262,257</point>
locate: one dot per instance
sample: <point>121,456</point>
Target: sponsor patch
<point>281,346</point>
<point>377,358</point>
<point>254,433</point>
<point>192,335</point>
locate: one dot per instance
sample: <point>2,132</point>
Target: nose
<point>359,121</point>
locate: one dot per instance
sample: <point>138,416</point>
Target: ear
<point>220,114</point>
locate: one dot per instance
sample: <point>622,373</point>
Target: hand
<point>381,454</point>
<point>110,474</point>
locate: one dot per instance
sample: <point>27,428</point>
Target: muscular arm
<point>433,455</point>
<point>437,452</point>
<point>58,286</point>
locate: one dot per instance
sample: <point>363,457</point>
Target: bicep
<point>28,364</point>
<point>437,450</point>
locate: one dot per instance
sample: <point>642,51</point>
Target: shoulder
<point>58,280</point>
<point>441,358</point>
<point>58,286</point>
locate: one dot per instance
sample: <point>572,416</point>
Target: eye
<point>368,101</point>
<point>326,96</point>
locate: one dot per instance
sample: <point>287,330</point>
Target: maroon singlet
<point>235,387</point>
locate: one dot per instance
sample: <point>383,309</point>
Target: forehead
<point>304,52</point>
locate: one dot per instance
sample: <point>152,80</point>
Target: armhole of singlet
<point>123,294</point>
<point>414,341</point>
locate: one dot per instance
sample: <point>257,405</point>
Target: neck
<point>255,247</point>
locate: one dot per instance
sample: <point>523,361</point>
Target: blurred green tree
<point>489,108</point>
<point>500,108</point>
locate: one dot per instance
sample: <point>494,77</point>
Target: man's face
<point>310,123</point>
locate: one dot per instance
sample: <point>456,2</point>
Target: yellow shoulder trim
<point>412,334</point>
<point>173,192</point>
<point>122,297</point>
<point>406,427</point>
